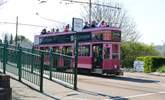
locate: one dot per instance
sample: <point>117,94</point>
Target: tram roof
<point>99,29</point>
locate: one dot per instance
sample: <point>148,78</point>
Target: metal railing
<point>33,65</point>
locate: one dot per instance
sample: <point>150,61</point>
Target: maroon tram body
<point>98,52</point>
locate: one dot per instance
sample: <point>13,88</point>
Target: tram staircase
<point>30,66</point>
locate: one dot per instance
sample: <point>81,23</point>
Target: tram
<point>98,50</point>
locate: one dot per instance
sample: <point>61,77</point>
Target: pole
<point>19,55</point>
<point>16,30</point>
<point>90,11</point>
<point>76,61</point>
<point>41,71</point>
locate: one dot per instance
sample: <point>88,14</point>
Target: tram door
<point>97,56</point>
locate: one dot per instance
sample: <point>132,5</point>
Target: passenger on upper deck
<point>86,25</point>
<point>52,30</point>
<point>44,31</point>
<point>57,30</point>
<point>93,24</point>
<point>66,29</point>
<point>103,24</point>
<point>106,24</point>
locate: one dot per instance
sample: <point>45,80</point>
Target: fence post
<point>4,57</point>
<point>19,55</point>
<point>32,60</point>
<point>41,71</point>
<point>76,62</point>
<point>51,63</point>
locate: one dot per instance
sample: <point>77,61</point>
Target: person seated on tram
<point>66,29</point>
<point>102,24</point>
<point>52,30</point>
<point>48,32</point>
<point>93,24</point>
<point>106,24</point>
<point>44,31</point>
<point>57,30</point>
<point>86,25</point>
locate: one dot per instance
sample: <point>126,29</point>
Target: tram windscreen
<point>116,35</point>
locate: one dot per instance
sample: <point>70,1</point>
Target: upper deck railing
<point>98,29</point>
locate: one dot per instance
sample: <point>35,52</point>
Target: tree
<point>6,38</point>
<point>0,41</point>
<point>115,18</point>
<point>131,50</point>
<point>22,38</point>
<point>11,39</point>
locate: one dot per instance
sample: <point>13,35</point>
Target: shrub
<point>161,69</point>
<point>152,63</point>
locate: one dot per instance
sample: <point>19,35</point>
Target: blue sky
<point>148,14</point>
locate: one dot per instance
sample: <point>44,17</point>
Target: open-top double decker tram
<point>98,50</point>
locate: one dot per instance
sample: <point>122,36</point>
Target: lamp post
<point>16,37</point>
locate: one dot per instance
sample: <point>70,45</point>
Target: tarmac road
<point>132,86</point>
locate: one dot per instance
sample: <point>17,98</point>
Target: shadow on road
<point>137,80</point>
<point>101,94</point>
<point>124,78</point>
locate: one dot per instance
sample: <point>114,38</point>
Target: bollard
<point>5,90</point>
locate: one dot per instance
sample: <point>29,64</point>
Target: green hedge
<point>152,63</point>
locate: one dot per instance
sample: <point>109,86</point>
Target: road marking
<point>162,92</point>
<point>139,95</point>
<point>145,94</point>
<point>162,84</point>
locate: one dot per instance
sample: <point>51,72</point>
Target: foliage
<point>161,69</point>
<point>6,38</point>
<point>0,41</point>
<point>115,17</point>
<point>22,38</point>
<point>131,50</point>
<point>161,49</point>
<point>11,39</point>
<point>152,63</point>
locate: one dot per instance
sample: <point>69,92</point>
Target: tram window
<point>79,51</point>
<point>44,48</point>
<point>41,48</point>
<point>67,50</point>
<point>107,36</point>
<point>106,53</point>
<point>85,50</point>
<point>115,48</point>
<point>96,37</point>
<point>56,50</point>
<point>115,56</point>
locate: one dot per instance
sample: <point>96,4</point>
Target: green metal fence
<point>34,65</point>
<point>1,56</point>
<point>59,68</point>
<point>18,62</point>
